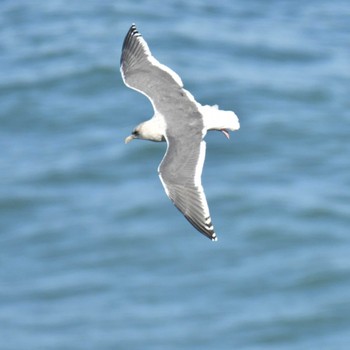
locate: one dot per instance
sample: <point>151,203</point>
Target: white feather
<point>217,119</point>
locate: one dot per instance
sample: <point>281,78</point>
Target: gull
<point>180,121</point>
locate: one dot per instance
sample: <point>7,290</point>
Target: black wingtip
<point>207,231</point>
<point>133,31</point>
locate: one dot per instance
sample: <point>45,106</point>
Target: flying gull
<point>180,121</point>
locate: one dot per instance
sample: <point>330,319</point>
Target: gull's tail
<point>217,119</point>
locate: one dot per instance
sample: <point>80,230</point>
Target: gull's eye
<point>135,133</point>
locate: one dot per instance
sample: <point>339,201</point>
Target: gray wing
<point>143,73</point>
<point>180,173</point>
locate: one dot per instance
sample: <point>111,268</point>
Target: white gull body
<point>180,121</point>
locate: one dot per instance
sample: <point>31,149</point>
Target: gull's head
<point>148,130</point>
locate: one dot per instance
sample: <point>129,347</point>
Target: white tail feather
<point>217,119</point>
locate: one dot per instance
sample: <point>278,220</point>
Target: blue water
<point>92,253</point>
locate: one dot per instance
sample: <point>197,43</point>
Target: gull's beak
<point>129,138</point>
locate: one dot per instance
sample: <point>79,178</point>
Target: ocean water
<point>92,253</point>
